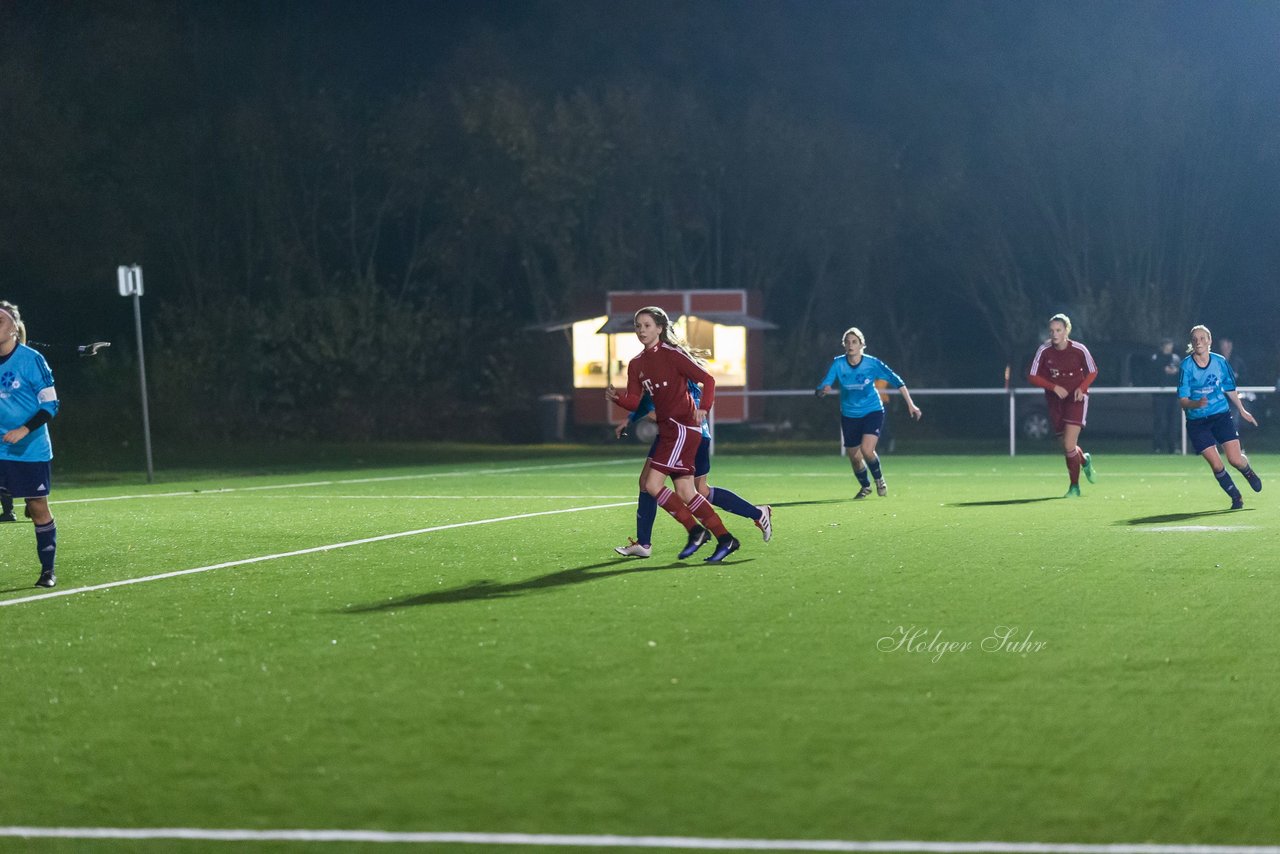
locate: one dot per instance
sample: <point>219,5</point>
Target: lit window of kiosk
<point>719,323</point>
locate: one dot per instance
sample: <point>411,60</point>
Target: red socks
<point>685,514</point>
<point>1074,460</point>
<point>707,515</point>
<point>671,502</point>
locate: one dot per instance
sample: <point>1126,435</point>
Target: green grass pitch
<point>971,658</point>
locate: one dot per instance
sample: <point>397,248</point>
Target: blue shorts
<point>701,463</point>
<point>855,428</point>
<point>25,480</point>
<point>1214,430</point>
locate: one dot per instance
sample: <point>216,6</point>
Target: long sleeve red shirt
<point>1072,367</point>
<point>663,371</point>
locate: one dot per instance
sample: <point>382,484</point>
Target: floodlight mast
<point>129,281</point>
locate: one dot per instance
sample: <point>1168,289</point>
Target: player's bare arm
<point>915,411</point>
<point>1244,413</point>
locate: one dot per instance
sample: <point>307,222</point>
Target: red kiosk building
<point>721,323</point>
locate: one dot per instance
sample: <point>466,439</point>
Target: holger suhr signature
<point>923,641</point>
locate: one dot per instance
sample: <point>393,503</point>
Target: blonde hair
<point>1066,321</point>
<point>1203,329</point>
<point>668,336</point>
<point>856,332</point>
<point>15,315</point>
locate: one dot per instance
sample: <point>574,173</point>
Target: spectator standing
<point>1227,350</point>
<point>1164,371</point>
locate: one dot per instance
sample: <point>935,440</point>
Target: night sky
<point>1106,146</point>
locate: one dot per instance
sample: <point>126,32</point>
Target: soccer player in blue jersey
<point>28,401</point>
<point>854,375</point>
<point>1206,386</point>
<point>647,507</point>
<point>6,500</point>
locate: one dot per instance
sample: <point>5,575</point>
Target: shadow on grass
<point>487,589</point>
<point>777,504</point>
<point>1004,502</point>
<point>29,587</point>
<point>1176,517</point>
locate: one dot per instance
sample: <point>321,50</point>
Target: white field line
<point>323,496</point>
<point>610,841</point>
<point>1195,529</point>
<point>386,479</point>
<point>1126,476</point>
<point>313,550</point>
<point>845,474</point>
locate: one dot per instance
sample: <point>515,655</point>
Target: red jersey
<point>1072,367</point>
<point>663,371</point>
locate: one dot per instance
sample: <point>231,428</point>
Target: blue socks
<point>1228,486</point>
<point>874,465</point>
<point>47,544</point>
<point>861,475</point>
<point>735,504</point>
<point>1255,482</point>
<point>646,512</point>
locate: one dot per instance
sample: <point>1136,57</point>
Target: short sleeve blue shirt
<point>1211,383</point>
<point>26,387</point>
<point>857,384</point>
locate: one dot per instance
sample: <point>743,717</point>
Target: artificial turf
<point>971,658</point>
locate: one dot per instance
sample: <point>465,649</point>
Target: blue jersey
<point>1211,383</point>
<point>646,406</point>
<point>858,395</point>
<point>26,387</point>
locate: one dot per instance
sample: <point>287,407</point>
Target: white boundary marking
<point>611,841</point>
<point>313,550</point>
<point>386,479</point>
<point>326,496</point>
<point>1195,529</point>
<point>195,493</point>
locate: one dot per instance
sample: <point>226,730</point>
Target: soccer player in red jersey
<point>1065,370</point>
<point>663,369</point>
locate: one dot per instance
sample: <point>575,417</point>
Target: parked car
<point>1119,366</point>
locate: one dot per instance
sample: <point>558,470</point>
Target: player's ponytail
<point>1201,328</point>
<point>668,336</point>
<point>20,328</point>
<point>856,333</point>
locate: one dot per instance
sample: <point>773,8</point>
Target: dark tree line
<point>345,240</point>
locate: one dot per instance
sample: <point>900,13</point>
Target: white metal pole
<point>129,282</point>
<point>1013,425</point>
<point>142,379</point>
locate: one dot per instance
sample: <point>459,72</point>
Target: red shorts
<point>1066,411</point>
<point>676,449</point>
